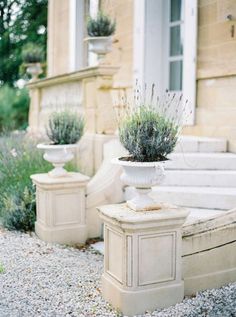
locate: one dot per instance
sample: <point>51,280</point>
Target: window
<point>176,45</point>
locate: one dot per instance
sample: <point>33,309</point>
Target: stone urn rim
<point>89,38</point>
<point>118,161</point>
<point>45,146</point>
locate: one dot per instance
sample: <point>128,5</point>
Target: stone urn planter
<point>100,45</point>
<point>58,155</point>
<point>34,69</point>
<point>142,176</point>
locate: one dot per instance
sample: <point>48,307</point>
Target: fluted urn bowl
<point>142,176</point>
<point>58,155</point>
<point>101,45</point>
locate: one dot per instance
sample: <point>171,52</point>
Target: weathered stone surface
<point>209,252</point>
<point>142,257</point>
<point>61,208</point>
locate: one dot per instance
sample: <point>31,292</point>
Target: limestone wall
<point>58,37</point>
<point>122,53</point>
<point>216,70</point>
<point>216,59</point>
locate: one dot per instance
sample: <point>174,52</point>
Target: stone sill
<point>74,76</point>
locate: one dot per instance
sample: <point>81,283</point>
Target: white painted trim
<point>145,30</point>
<point>139,42</point>
<point>76,50</point>
<point>93,11</point>
<point>72,32</point>
<point>190,57</point>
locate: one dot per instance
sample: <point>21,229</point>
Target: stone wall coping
<point>101,70</point>
<point>126,218</point>
<point>213,223</point>
<point>46,181</point>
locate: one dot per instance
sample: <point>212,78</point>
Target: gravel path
<point>40,279</point>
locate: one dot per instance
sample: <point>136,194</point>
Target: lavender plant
<point>32,53</point>
<point>65,127</point>
<point>102,25</point>
<point>149,129</point>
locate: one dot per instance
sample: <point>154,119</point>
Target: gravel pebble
<point>48,280</point>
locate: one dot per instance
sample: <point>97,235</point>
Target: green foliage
<point>20,210</point>
<point>2,270</point>
<point>65,127</point>
<point>14,107</point>
<point>32,53</point>
<point>148,135</point>
<point>102,25</point>
<point>19,159</point>
<point>20,22</point>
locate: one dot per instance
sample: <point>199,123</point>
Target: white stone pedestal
<point>143,269</point>
<point>61,208</point>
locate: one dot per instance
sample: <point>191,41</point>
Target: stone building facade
<point>184,46</point>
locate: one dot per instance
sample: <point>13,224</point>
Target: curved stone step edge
<point>211,223</point>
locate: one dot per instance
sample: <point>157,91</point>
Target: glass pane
<point>176,46</point>
<point>175,79</point>
<point>175,11</point>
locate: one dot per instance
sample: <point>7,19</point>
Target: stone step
<point>213,178</point>
<point>196,197</point>
<point>200,144</point>
<point>200,214</point>
<point>201,161</point>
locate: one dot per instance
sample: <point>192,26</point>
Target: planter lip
<point>136,164</point>
<point>44,146</point>
<point>33,64</point>
<point>89,38</point>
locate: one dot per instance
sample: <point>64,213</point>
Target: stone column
<point>61,208</point>
<point>143,269</point>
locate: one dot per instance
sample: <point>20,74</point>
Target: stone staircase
<point>201,175</point>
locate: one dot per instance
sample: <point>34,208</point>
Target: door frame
<point>149,22</point>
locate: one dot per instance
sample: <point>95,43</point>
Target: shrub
<point>32,53</point>
<point>20,210</point>
<point>102,25</point>
<point>65,127</point>
<point>14,107</point>
<point>148,135</point>
<point>19,159</point>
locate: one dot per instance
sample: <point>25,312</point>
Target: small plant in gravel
<point>102,25</point>
<point>149,130</point>
<point>65,127</point>
<point>20,210</point>
<point>2,270</point>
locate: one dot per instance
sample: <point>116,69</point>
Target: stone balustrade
<point>89,92</point>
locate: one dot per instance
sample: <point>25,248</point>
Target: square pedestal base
<point>142,259</point>
<point>61,208</point>
<point>139,301</point>
<point>69,235</point>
